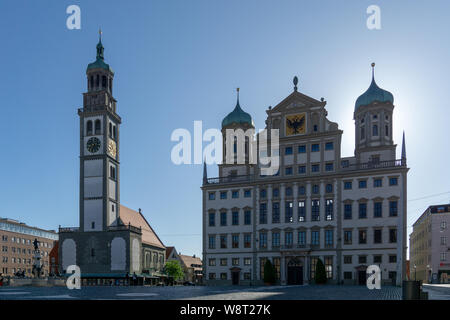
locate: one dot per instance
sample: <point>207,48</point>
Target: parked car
<point>188,283</point>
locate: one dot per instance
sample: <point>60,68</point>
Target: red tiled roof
<point>169,251</point>
<point>136,219</point>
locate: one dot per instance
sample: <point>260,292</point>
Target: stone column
<point>283,270</point>
<point>295,203</point>
<point>282,204</point>
<point>308,207</point>
<point>269,204</point>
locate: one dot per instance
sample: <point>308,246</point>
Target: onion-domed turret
<point>237,116</point>
<point>374,93</point>
<point>100,63</point>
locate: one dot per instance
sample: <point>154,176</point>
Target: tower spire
<point>373,71</point>
<point>403,148</point>
<point>205,173</point>
<point>100,48</point>
<point>237,93</point>
<point>295,81</point>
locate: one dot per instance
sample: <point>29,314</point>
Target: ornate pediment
<point>296,101</point>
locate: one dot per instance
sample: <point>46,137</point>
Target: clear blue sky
<point>180,61</point>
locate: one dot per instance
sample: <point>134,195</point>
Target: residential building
<point>17,249</point>
<point>429,248</point>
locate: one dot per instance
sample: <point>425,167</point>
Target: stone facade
<point>350,212</point>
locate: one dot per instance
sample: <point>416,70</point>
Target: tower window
<point>92,252</point>
<point>97,126</point>
<point>114,132</point>
<point>110,130</point>
<point>363,133</point>
<point>386,130</point>
<point>97,81</point>
<point>93,225</point>
<point>104,84</point>
<point>92,82</point>
<point>110,85</point>
<point>89,128</point>
<point>375,130</point>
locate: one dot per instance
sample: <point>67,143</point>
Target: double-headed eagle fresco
<point>296,123</point>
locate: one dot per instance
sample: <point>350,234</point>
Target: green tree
<point>320,276</point>
<point>174,270</point>
<point>269,272</point>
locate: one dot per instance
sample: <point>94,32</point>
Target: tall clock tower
<point>99,149</point>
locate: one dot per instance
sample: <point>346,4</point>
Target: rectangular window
<point>247,193</point>
<point>289,212</point>
<point>275,212</point>
<point>392,235</point>
<point>302,149</point>
<point>362,259</point>
<point>312,267</point>
<point>362,184</point>
<point>393,208</point>
<point>276,264</point>
<point>347,259</point>
<point>288,150</point>
<point>301,169</point>
<point>288,239</point>
<point>301,238</point>
<point>301,211</point>
<point>329,146</point>
<point>235,194</point>
<point>328,238</point>
<point>347,211</point>
<point>443,256</point>
<point>212,262</point>
<point>329,267</point>
<point>247,217</point>
<point>315,240</point>
<point>362,236</point>
<point>223,241</point>
<point>275,239</point>
<point>392,258</point>
<point>247,261</point>
<point>263,213</point>
<point>377,183</point>
<point>377,258</point>
<point>223,195</point>
<point>247,240</point>
<point>223,218</point>
<point>315,148</point>
<point>348,236</point>
<point>262,262</point>
<point>235,261</point>
<point>363,210</point>
<point>275,192</point>
<point>235,218</point>
<point>347,185</point>
<point>315,168</point>
<point>443,241</point>
<point>393,181</point>
<point>212,219</point>
<point>347,275</point>
<point>263,240</point>
<point>235,241</point>
<point>301,190</point>
<point>288,171</point>
<point>329,166</point>
<point>377,209</point>
<point>329,209</point>
<point>247,276</point>
<point>315,210</point>
<point>212,276</point>
<point>263,193</point>
<point>223,276</point>
<point>377,236</point>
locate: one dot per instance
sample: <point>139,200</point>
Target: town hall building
<point>349,212</point>
<point>112,241</point>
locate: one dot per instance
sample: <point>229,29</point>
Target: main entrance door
<point>295,272</point>
<point>362,278</point>
<point>235,277</point>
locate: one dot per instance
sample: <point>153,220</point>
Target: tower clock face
<point>93,145</point>
<point>112,148</point>
<point>296,124</point>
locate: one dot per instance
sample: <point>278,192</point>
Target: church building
<point>349,212</point>
<point>111,240</point>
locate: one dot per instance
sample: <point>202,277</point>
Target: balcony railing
<point>68,229</point>
<point>124,227</point>
<point>344,167</point>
